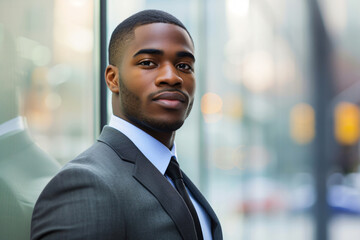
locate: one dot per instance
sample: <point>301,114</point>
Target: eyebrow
<point>149,51</point>
<point>160,52</point>
<point>185,54</point>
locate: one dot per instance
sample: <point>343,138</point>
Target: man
<point>128,185</point>
<point>24,168</point>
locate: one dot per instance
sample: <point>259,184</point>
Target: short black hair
<point>125,29</point>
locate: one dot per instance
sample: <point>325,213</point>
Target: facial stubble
<point>131,105</point>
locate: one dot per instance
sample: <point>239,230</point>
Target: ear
<point>112,78</point>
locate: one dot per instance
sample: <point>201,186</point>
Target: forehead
<point>160,36</point>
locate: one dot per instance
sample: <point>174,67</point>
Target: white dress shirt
<point>15,124</point>
<point>159,155</point>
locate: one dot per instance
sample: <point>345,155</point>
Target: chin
<point>166,126</point>
<point>157,125</point>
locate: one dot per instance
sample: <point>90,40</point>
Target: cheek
<point>138,82</point>
<point>190,86</point>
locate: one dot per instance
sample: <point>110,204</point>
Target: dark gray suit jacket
<point>24,171</point>
<point>111,191</point>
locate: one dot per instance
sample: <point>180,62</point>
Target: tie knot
<point>173,170</point>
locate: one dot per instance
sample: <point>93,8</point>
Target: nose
<point>168,75</point>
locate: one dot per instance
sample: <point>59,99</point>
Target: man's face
<point>156,78</point>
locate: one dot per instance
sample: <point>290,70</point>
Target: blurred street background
<point>273,138</point>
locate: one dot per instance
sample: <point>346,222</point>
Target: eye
<point>184,67</point>
<point>147,63</point>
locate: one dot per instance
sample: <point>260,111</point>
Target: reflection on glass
<point>46,99</point>
<point>25,169</point>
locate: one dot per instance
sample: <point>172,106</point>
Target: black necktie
<point>173,171</point>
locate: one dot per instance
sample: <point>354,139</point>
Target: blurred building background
<point>273,138</point>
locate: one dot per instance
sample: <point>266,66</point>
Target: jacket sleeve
<point>77,204</point>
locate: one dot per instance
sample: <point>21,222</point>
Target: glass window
<point>48,80</point>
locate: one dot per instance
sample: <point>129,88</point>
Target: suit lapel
<point>215,223</point>
<point>168,197</point>
<point>150,178</point>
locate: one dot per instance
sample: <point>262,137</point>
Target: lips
<point>170,99</point>
<point>170,96</point>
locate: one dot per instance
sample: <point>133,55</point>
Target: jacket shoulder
<point>80,200</point>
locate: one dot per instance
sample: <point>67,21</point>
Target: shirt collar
<point>157,153</point>
<point>15,124</point>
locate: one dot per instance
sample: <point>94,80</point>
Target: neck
<point>168,141</point>
<point>166,138</point>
